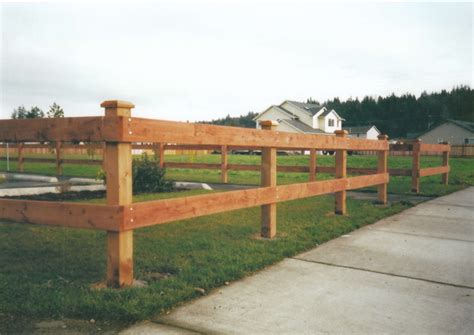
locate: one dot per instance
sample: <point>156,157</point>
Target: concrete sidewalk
<point>409,273</point>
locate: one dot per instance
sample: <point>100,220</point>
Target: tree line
<point>397,116</point>
<point>35,112</point>
<point>405,115</point>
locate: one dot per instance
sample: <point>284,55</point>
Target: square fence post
<point>312,164</point>
<point>415,172</point>
<point>160,154</point>
<point>224,164</point>
<point>341,172</point>
<point>21,157</point>
<point>382,167</point>
<point>118,168</point>
<point>268,178</point>
<point>59,161</point>
<point>445,176</point>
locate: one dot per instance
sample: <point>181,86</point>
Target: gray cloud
<point>195,61</point>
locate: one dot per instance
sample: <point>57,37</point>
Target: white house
<point>299,117</point>
<point>367,132</point>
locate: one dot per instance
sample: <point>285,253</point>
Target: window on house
<point>469,140</point>
<point>331,122</point>
<point>440,141</point>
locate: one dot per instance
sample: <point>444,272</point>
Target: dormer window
<point>331,122</point>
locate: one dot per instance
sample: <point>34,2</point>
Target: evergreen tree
<point>22,113</point>
<point>55,111</point>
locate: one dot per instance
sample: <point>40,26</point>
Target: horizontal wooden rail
<point>53,160</point>
<point>433,171</point>
<point>76,129</point>
<point>76,215</point>
<point>149,213</point>
<point>426,147</point>
<point>147,130</point>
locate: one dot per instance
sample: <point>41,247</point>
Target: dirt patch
<point>66,196</point>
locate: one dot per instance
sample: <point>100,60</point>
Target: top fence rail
<point>130,129</point>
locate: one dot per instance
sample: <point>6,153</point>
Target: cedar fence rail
<point>117,130</point>
<point>415,149</point>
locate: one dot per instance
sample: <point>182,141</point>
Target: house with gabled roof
<point>367,132</point>
<point>451,131</point>
<point>300,117</point>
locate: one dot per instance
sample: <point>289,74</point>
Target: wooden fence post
<point>341,172</point>
<point>445,176</point>
<point>415,172</point>
<point>21,157</point>
<point>160,154</point>
<point>118,168</point>
<point>224,164</point>
<point>104,164</point>
<point>312,164</point>
<point>268,178</point>
<point>382,167</point>
<point>59,161</point>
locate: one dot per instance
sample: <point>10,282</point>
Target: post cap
<point>268,123</point>
<point>341,132</point>
<point>382,137</point>
<point>116,104</point>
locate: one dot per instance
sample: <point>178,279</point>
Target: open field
<point>461,175</point>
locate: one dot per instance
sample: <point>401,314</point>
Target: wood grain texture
<point>312,165</point>
<point>433,171</point>
<point>427,147</point>
<point>382,167</point>
<point>268,175</point>
<point>87,129</point>
<point>74,215</point>
<point>340,172</point>
<point>118,169</point>
<point>147,130</point>
<point>415,177</point>
<point>224,162</point>
<point>445,176</point>
<point>149,213</point>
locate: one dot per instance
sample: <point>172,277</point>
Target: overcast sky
<point>204,60</point>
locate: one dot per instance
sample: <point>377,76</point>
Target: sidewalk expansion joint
<point>418,235</point>
<point>450,204</point>
<point>383,273</point>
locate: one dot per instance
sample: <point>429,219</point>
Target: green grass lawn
<point>461,175</point>
<point>47,272</point>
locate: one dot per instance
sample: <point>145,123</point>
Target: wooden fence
<point>120,216</point>
<point>414,149</point>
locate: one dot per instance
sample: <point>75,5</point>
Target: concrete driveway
<point>411,273</point>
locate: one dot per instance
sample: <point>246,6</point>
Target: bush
<point>148,177</point>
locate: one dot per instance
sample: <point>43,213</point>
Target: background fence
<point>95,151</point>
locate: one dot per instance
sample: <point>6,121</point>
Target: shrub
<point>148,177</point>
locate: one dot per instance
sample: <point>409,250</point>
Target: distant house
<point>300,117</point>
<point>367,132</point>
<point>451,131</point>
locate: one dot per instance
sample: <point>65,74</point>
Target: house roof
<point>290,114</point>
<point>310,108</point>
<point>302,126</point>
<point>359,129</point>
<point>463,124</point>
